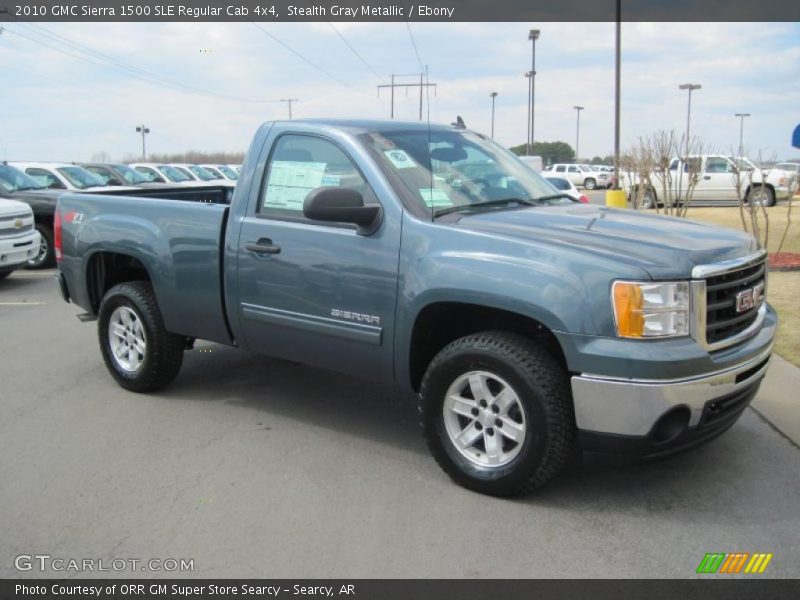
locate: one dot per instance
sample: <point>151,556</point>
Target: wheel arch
<point>104,269</point>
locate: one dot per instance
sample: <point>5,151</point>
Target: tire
<point>540,407</point>
<point>4,274</point>
<point>148,356</point>
<point>590,183</point>
<point>765,198</point>
<point>47,254</point>
<point>649,199</point>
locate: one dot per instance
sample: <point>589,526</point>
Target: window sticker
<point>435,198</point>
<point>331,180</point>
<point>400,159</point>
<point>290,182</point>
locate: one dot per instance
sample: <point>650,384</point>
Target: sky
<point>219,81</point>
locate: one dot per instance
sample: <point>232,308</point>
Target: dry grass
<point>729,217</point>
<point>783,292</point>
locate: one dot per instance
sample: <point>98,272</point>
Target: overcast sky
<point>57,106</point>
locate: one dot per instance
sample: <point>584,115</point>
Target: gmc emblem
<point>749,299</point>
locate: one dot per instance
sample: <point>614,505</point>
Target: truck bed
<point>175,234</point>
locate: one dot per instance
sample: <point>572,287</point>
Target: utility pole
<point>533,35</point>
<point>289,101</point>
<point>741,133</point>
<point>422,85</point>
<point>617,78</point>
<point>493,95</point>
<point>578,109</point>
<point>144,131</point>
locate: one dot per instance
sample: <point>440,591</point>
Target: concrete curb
<point>776,402</point>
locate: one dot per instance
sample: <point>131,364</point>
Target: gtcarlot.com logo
<point>46,562</point>
<point>734,562</point>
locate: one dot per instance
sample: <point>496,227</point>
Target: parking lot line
<point>22,303</point>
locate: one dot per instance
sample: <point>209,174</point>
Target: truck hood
<point>12,207</point>
<point>665,247</point>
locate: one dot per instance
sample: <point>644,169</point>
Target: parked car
<point>116,174</point>
<point>196,172</point>
<point>581,175</point>
<point>223,171</point>
<point>428,257</point>
<point>63,176</point>
<point>163,173</point>
<point>562,184</point>
<point>789,167</point>
<point>719,182</point>
<point>19,239</point>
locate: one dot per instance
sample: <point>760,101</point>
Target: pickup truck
<point>718,180</point>
<point>427,256</point>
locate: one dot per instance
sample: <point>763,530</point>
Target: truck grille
<point>722,319</point>
<point>7,222</point>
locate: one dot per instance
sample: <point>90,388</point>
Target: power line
<point>92,56</point>
<point>306,60</point>
<point>356,52</point>
<point>414,43</point>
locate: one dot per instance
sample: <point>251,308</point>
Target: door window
<point>560,169</point>
<point>573,170</point>
<point>717,164</point>
<point>101,173</point>
<point>300,164</point>
<point>44,177</point>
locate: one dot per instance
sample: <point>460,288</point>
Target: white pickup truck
<point>716,179</point>
<point>19,241</point>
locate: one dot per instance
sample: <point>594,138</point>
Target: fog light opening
<point>670,425</point>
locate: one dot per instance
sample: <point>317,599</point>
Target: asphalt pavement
<point>260,468</point>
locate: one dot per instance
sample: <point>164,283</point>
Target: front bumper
<point>654,417</point>
<point>16,252</point>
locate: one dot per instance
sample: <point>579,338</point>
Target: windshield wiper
<point>488,203</point>
<point>553,197</point>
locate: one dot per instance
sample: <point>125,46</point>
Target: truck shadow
<point>736,467</point>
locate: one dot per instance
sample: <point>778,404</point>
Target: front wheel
<point>47,256</point>
<point>590,183</point>
<point>496,411</point>
<point>140,354</point>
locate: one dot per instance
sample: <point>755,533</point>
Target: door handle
<point>263,246</point>
<point>706,176</point>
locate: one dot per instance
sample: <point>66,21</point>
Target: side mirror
<point>56,185</point>
<point>342,205</point>
<point>113,181</point>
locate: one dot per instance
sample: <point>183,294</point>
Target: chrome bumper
<point>632,406</point>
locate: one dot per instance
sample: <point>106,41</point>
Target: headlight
<point>647,310</point>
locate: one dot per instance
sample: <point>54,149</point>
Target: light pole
<point>578,110</point>
<point>528,123</point>
<point>691,87</point>
<point>493,95</point>
<point>144,131</point>
<point>533,35</point>
<point>741,133</point>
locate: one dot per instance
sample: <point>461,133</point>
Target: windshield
<point>228,172</point>
<point>449,169</point>
<point>202,173</point>
<point>173,174</point>
<point>14,180</point>
<point>131,176</point>
<point>80,177</point>
<point>559,183</point>
<point>744,164</point>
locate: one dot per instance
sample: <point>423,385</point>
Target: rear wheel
<point>761,197</point>
<point>497,413</point>
<point>139,352</point>
<point>649,199</point>
<point>46,257</point>
<point>590,183</point>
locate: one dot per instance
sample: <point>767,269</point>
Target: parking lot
<point>255,467</point>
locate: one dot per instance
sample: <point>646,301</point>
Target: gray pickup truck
<point>529,325</point>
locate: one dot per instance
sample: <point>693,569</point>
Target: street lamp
<point>533,35</point>
<point>741,132</point>
<point>493,95</point>
<point>578,110</point>
<point>691,87</point>
<point>529,75</point>
<point>144,131</point>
